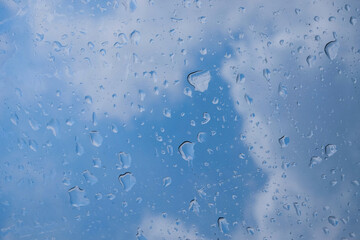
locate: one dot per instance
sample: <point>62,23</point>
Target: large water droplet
<point>78,197</point>
<point>199,80</point>
<point>330,150</point>
<point>331,49</point>
<point>127,180</point>
<point>125,160</point>
<point>90,178</point>
<point>95,138</point>
<point>187,151</point>
<point>223,225</point>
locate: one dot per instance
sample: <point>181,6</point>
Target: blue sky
<point>132,58</point>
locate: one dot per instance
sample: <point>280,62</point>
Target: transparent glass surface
<point>181,119</point>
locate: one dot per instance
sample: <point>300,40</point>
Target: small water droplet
<point>266,74</point>
<point>166,181</point>
<point>315,160</point>
<point>282,90</point>
<point>330,149</point>
<point>199,80</point>
<point>250,230</point>
<point>240,78</point>
<point>206,117</point>
<point>14,119</point>
<point>187,151</point>
<point>331,49</point>
<point>310,60</point>
<point>33,145</point>
<point>135,37</point>
<point>353,20</point>
<point>127,180</point>
<point>284,141</point>
<point>248,99</point>
<point>194,206</point>
<point>79,149</point>
<point>34,124</point>
<point>96,162</point>
<point>53,125</point>
<point>201,137</point>
<point>333,220</point>
<point>167,112</point>
<point>78,197</point>
<point>88,99</point>
<point>95,138</point>
<point>90,178</point>
<point>114,128</point>
<point>188,92</point>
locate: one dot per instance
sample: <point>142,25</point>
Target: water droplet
<point>310,60</point>
<point>297,209</point>
<point>127,180</point>
<point>333,220</point>
<point>187,151</point>
<point>315,160</point>
<point>14,119</point>
<point>114,128</point>
<point>166,181</point>
<point>33,145</point>
<point>135,37</point>
<point>240,78</point>
<point>223,225</point>
<point>167,112</point>
<point>88,99</point>
<point>194,206</point>
<point>95,138</point>
<point>188,92</point>
<point>284,141</point>
<point>199,80</point>
<point>353,20</point>
<point>79,149</point>
<point>266,74</point>
<point>53,125</point>
<point>90,178</point>
<point>77,197</point>
<point>70,122</point>
<point>122,40</point>
<point>206,117</point>
<point>201,137</point>
<point>326,230</point>
<point>331,49</point>
<point>250,230</point>
<point>94,121</point>
<point>282,90</point>
<point>330,150</point>
<point>139,235</point>
<point>125,160</point>
<point>34,124</point>
<point>97,162</point>
<point>57,46</point>
<point>248,99</point>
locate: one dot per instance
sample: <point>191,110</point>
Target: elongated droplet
<point>284,141</point>
<point>53,125</point>
<point>166,181</point>
<point>223,225</point>
<point>125,160</point>
<point>194,206</point>
<point>95,138</point>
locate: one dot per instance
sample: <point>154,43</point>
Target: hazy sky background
<point>97,99</point>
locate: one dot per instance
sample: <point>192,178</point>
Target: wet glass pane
<point>183,119</point>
